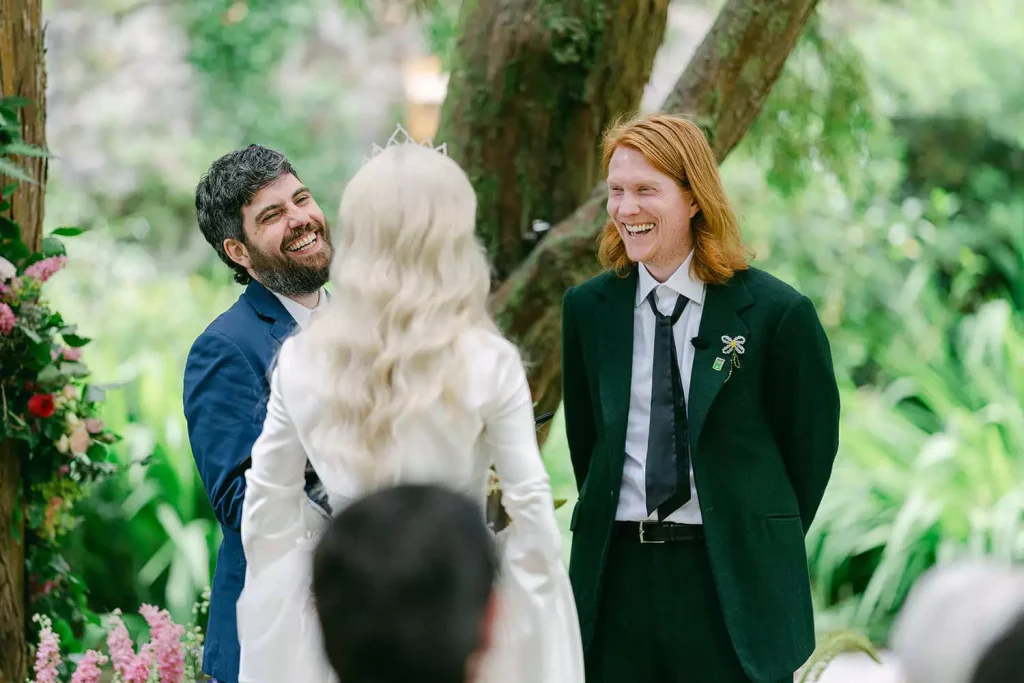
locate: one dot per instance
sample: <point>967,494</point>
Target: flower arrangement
<point>48,409</point>
<point>172,655</point>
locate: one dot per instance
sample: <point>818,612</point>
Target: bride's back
<point>393,380</point>
<point>438,441</point>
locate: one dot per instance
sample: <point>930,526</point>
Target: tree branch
<point>723,89</point>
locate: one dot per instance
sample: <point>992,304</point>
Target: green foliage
<point>47,408</point>
<point>930,464</point>
<point>262,74</point>
<point>441,19</point>
<point>818,117</point>
<point>149,534</point>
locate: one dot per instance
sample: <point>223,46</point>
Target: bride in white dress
<point>402,378</point>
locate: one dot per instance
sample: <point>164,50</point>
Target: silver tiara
<point>401,137</point>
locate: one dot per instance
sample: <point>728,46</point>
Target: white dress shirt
<point>300,313</point>
<point>633,497</point>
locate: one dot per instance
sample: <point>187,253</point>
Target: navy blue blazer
<point>226,387</point>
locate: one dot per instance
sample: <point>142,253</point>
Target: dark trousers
<point>659,619</point>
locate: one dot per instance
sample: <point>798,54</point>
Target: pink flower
<point>80,440</point>
<point>119,643</point>
<point>7,320</point>
<point>69,353</point>
<point>48,654</point>
<point>165,637</point>
<point>45,269</point>
<point>88,670</point>
<point>94,425</point>
<point>138,669</point>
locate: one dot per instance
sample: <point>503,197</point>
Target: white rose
<point>7,269</point>
<point>63,443</point>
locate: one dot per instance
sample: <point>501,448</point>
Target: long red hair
<point>677,147</point>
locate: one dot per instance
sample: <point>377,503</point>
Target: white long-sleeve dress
<point>537,638</point>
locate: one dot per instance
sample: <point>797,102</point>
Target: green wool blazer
<point>763,438</point>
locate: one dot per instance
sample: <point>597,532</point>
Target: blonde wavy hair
<point>677,147</point>
<point>410,278</point>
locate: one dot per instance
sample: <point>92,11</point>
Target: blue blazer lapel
<point>269,308</point>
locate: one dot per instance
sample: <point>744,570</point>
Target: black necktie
<point>668,451</point>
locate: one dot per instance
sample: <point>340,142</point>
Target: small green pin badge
<point>719,362</point>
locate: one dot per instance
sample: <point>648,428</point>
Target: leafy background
<point>884,179</point>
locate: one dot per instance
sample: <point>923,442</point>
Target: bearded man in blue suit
<point>265,225</point>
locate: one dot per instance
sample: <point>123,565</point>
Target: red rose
<point>41,405</point>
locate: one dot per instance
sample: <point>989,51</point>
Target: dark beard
<point>280,274</point>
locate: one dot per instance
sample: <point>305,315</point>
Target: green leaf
<point>50,375</point>
<point>8,190</point>
<point>9,229</point>
<point>53,247</point>
<point>10,170</point>
<point>15,249</point>
<point>74,369</point>
<point>95,394</point>
<point>97,452</point>
<point>30,333</point>
<point>41,352</point>
<point>14,102</point>
<point>74,341</point>
<point>68,231</point>
<point>26,150</point>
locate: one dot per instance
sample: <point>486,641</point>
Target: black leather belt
<point>659,532</point>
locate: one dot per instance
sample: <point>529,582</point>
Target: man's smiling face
<point>287,241</point>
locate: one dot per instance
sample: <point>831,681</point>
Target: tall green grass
<point>931,466</point>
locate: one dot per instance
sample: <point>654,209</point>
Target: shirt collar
<point>681,282</point>
<point>300,313</point>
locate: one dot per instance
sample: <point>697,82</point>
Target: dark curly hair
<point>231,183</point>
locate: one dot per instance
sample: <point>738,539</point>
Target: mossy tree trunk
<point>22,74</point>
<point>535,84</point>
<point>722,88</point>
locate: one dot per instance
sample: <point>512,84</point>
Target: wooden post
<point>22,74</point>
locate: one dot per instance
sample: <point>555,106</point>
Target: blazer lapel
<point>615,337</point>
<point>269,308</point>
<point>719,317</point>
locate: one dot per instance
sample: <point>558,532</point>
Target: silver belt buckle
<point>642,539</point>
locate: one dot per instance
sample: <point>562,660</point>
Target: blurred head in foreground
<point>963,623</point>
<point>403,582</point>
